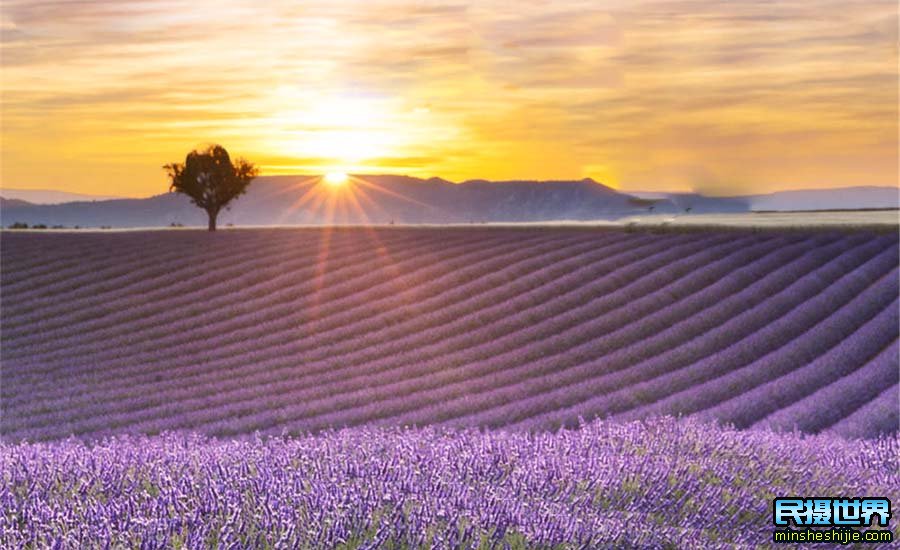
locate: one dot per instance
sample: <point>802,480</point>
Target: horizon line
<point>93,196</point>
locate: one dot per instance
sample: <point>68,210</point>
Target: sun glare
<point>335,178</point>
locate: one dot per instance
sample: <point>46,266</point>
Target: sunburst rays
<point>337,199</point>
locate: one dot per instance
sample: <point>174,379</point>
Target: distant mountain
<point>288,200</point>
<point>828,199</point>
<point>843,198</point>
<point>49,196</point>
<point>14,203</point>
<point>277,200</point>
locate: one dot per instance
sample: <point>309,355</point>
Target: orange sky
<point>726,97</point>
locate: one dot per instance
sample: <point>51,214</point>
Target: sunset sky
<point>723,97</point>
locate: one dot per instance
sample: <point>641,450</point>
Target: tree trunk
<point>212,219</point>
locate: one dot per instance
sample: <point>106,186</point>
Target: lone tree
<point>210,179</point>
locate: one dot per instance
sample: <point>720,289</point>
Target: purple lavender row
<point>119,373</point>
<point>151,275</point>
<point>772,334</point>
<point>740,327</point>
<point>523,374</point>
<point>343,308</point>
<point>121,263</point>
<point>615,367</point>
<point>154,313</point>
<point>877,418</point>
<point>131,381</point>
<point>714,384</point>
<point>797,398</point>
<point>193,286</point>
<point>845,396</point>
<point>274,384</point>
<point>38,260</point>
<point>34,253</point>
<point>465,341</point>
<point>449,288</point>
<point>413,378</point>
<point>163,328</point>
<point>658,484</point>
<point>266,369</point>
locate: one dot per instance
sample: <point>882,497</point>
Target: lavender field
<point>247,349</point>
<point>289,331</point>
<point>659,484</point>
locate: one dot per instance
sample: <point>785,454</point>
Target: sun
<point>335,178</point>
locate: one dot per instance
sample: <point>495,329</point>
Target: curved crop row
<point>265,370</point>
<point>533,328</point>
<point>692,341</point>
<point>316,382</point>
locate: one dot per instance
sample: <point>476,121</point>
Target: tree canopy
<point>211,179</point>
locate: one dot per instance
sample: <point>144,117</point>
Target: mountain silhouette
<point>381,199</point>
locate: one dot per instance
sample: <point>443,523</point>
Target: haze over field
<point>366,199</point>
<point>380,199</point>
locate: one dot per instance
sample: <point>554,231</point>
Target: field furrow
<point>526,328</point>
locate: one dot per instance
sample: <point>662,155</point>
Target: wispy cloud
<point>724,96</point>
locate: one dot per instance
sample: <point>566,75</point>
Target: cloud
<point>661,93</point>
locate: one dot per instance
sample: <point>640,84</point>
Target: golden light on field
<point>335,179</point>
